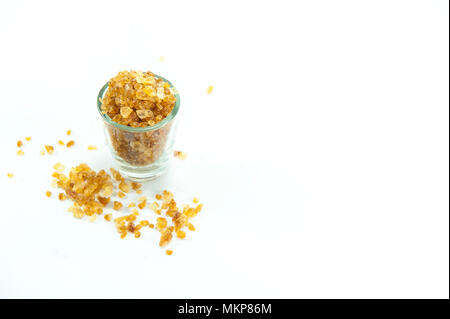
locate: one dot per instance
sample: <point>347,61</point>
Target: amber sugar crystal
<point>180,155</point>
<point>161,223</point>
<point>144,222</point>
<point>125,187</point>
<point>166,237</point>
<point>143,202</point>
<point>50,149</point>
<point>103,200</point>
<point>136,186</point>
<point>117,205</point>
<point>181,234</point>
<point>58,167</point>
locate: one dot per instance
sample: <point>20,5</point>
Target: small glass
<point>141,153</point>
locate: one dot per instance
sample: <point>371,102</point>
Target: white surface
<point>321,157</point>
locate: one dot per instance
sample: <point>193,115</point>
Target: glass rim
<point>158,125</point>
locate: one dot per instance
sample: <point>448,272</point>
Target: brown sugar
<point>191,227</point>
<point>144,222</point>
<point>133,215</point>
<point>154,206</point>
<point>117,205</point>
<point>82,186</point>
<point>116,175</point>
<point>131,228</point>
<point>103,200</point>
<point>91,192</point>
<point>125,187</point>
<point>180,155</point>
<point>161,223</point>
<point>76,210</point>
<point>139,148</point>
<point>136,186</point>
<point>58,167</point>
<point>181,234</point>
<point>126,224</point>
<point>139,100</point>
<point>142,204</point>
<point>166,237</point>
<point>179,220</point>
<point>49,149</point>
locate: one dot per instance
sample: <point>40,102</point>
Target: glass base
<point>142,174</point>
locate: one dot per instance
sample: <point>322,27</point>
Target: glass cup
<point>141,153</point>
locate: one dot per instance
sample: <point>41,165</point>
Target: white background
<point>321,157</point>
